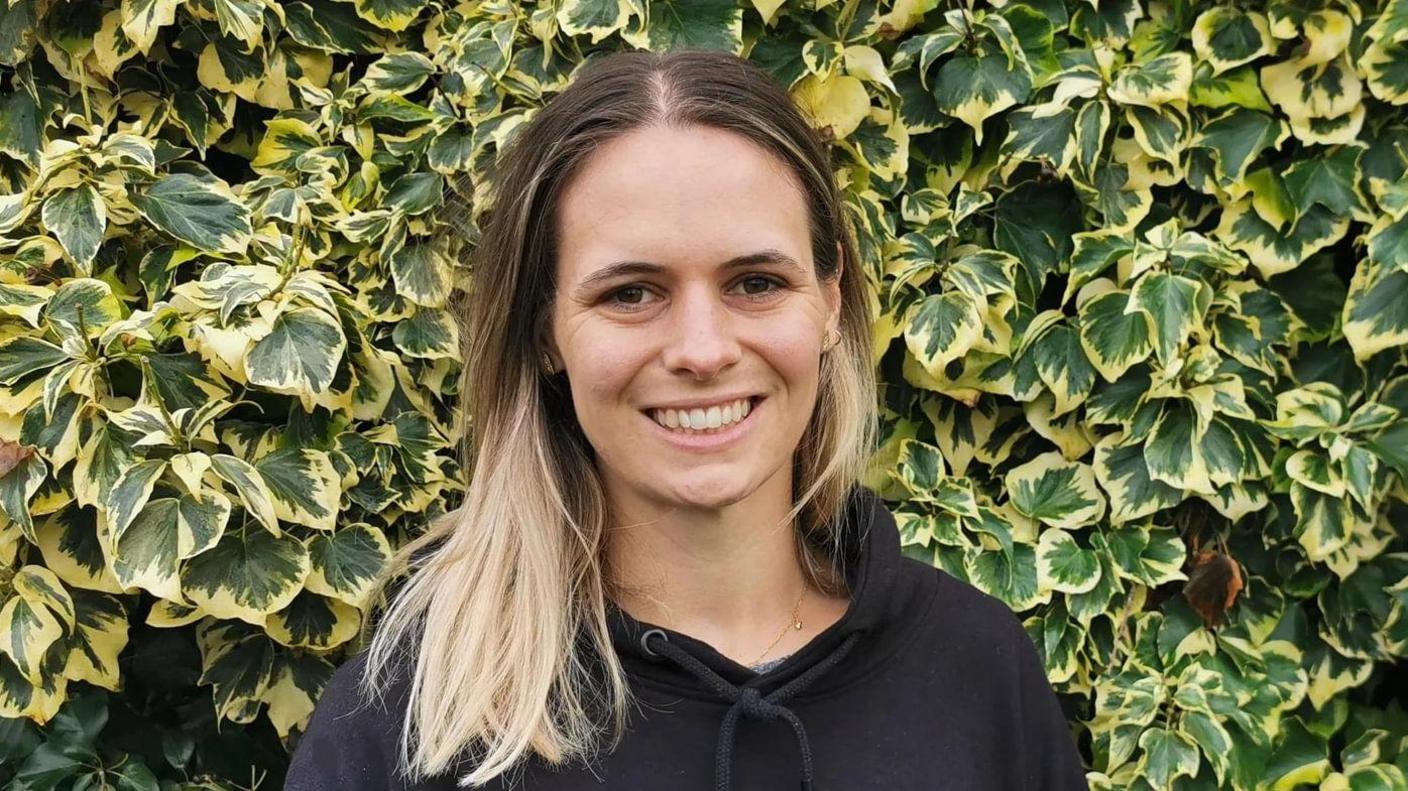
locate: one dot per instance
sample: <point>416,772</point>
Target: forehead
<point>674,195</point>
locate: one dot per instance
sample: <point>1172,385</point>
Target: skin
<point>701,543</point>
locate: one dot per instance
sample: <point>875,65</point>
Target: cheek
<point>791,351</point>
<point>602,375</point>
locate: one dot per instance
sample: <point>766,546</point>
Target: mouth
<point>718,425</point>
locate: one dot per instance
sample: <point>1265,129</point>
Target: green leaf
<point>942,328</point>
<point>597,18</point>
<point>1113,338</point>
<point>248,575</point>
<point>347,563</point>
<point>1228,37</point>
<point>1375,313</point>
<point>690,24</point>
<point>1173,304</point>
<point>390,14</point>
<point>299,353</point>
<point>77,217</point>
<point>1167,755</point>
<point>203,214</point>
<point>1057,492</point>
<point>1161,80</point>
<point>973,88</point>
<point>1063,565</point>
<point>303,485</point>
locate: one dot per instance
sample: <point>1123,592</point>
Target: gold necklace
<point>793,624</point>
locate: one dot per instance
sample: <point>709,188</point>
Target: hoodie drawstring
<point>748,702</point>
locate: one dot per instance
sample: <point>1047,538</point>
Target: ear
<point>545,343</point>
<point>832,289</point>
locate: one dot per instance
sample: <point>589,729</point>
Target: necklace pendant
<point>797,625</point>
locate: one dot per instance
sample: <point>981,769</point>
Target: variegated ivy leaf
<point>77,217</point>
<point>1043,132</point>
<point>1173,451</point>
<point>237,662</point>
<point>39,702</point>
<point>1305,90</point>
<point>200,212</point>
<point>1167,755</point>
<point>72,549</point>
<point>1173,304</point>
<point>942,328</point>
<point>1236,139</point>
<point>240,19</point>
<point>1384,70</point>
<point>1123,472</point>
<point>401,72</point>
<point>1063,565</point>
<point>838,103</point>
<point>1062,366</point>
<point>130,493</point>
<point>1151,83</point>
<point>695,24</point>
<point>1113,337</point>
<point>85,304</point>
<point>298,354</point>
<point>1055,491</point>
<point>313,621</point>
<point>148,553</point>
<point>304,487</point>
<point>298,682</point>
<point>17,489</point>
<point>431,333</point>
<point>1375,314</point>
<point>920,468</point>
<point>596,18</point>
<point>972,89</point>
<point>347,563</point>
<point>1227,37</point>
<point>99,637</point>
<point>249,486</point>
<point>143,19</point>
<point>248,575</point>
<point>38,613</point>
<point>1323,523</point>
<point>1013,579</point>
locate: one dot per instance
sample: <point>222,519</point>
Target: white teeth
<point>702,420</point>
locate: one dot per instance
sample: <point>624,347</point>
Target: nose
<point>702,339</point>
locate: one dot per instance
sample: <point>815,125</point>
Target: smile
<point>704,428</point>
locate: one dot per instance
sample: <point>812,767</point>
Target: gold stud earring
<point>547,366</point>
<point>833,337</point>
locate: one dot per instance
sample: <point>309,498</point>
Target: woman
<point>664,573</point>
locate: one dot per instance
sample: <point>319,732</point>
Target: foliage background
<point>1141,268</point>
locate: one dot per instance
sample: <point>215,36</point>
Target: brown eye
<point>627,298</point>
<point>761,285</point>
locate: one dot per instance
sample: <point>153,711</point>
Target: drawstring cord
<point>747,701</point>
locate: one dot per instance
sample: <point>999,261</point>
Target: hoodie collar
<point>870,550</point>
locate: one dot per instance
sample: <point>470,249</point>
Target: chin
<point>707,491</point>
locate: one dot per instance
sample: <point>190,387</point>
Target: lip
<point>711,441</point>
<point>752,398</point>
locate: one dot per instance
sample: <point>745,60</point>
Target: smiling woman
<point>670,388</point>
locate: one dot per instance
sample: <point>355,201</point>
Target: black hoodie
<point>925,683</point>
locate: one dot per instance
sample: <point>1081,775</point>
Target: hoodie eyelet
<point>644,642</point>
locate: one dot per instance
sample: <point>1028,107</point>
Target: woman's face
<point>686,281</point>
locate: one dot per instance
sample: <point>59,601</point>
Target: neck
<point>728,576</point>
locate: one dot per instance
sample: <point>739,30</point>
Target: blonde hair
<point>502,618</point>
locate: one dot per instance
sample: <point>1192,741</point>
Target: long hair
<point>503,615</point>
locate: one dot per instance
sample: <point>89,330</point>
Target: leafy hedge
<point>1141,269</point>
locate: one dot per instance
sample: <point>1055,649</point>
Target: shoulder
<point>969,622</point>
<point>352,739</point>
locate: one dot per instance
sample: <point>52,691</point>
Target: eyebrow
<point>623,268</point>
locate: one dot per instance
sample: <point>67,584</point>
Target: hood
<point>870,549</point>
